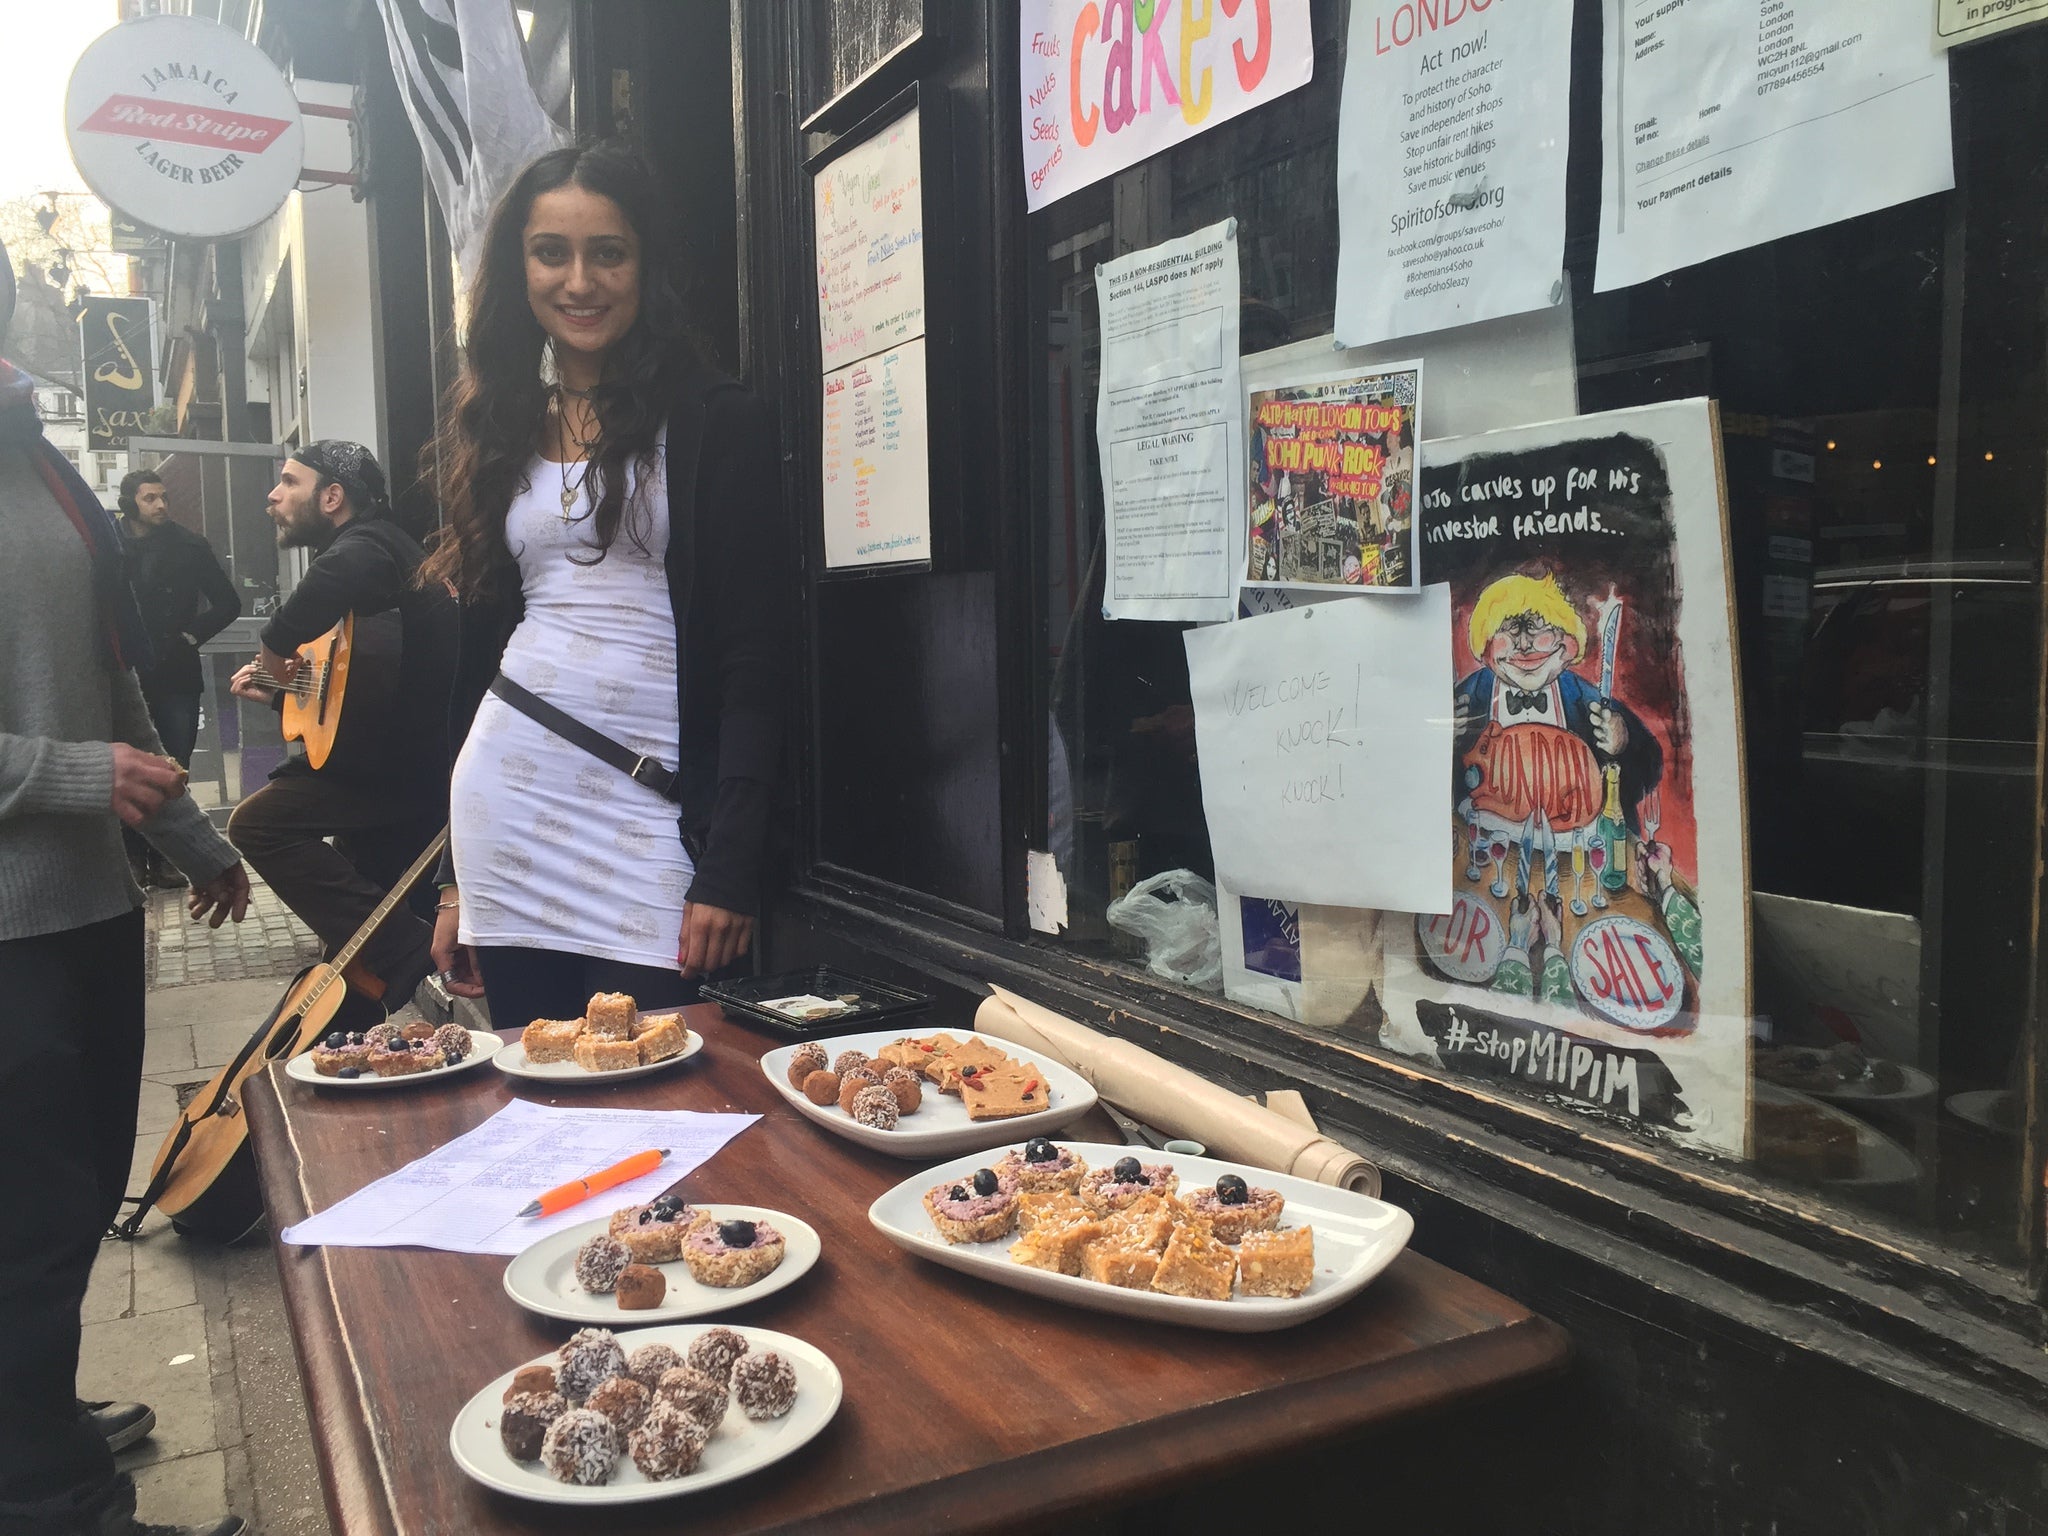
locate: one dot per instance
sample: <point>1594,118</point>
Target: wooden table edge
<point>351,1476</point>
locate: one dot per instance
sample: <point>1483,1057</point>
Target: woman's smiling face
<point>582,269</point>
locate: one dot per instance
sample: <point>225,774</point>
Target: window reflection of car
<point>1869,757</point>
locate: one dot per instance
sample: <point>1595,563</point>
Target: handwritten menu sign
<point>870,222</point>
<point>870,263</point>
<point>1324,735</point>
<point>877,492</point>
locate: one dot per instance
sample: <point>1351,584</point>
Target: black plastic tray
<point>745,999</point>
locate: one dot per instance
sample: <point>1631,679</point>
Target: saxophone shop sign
<point>120,379</point>
<point>1107,83</point>
<point>185,126</point>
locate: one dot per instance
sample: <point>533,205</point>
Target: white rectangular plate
<point>1356,1237</point>
<point>543,1278</point>
<point>512,1061</point>
<point>483,1045</point>
<point>738,1446</point>
<point>940,1127</point>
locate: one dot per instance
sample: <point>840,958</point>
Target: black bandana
<point>351,466</point>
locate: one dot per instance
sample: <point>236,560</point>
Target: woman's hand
<point>455,959</point>
<point>712,939</point>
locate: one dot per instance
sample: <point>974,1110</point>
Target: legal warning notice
<point>1734,123</point>
<point>1451,150</point>
<point>1170,424</point>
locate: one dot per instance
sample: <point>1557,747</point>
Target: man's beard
<point>304,529</point>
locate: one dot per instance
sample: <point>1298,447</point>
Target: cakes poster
<point>1332,469</point>
<point>1597,947</point>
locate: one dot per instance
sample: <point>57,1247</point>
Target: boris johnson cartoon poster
<point>1597,947</point>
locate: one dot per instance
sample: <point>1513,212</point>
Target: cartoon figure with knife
<point>1541,736</point>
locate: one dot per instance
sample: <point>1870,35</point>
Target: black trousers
<point>282,830</point>
<point>70,1078</point>
<point>521,985</point>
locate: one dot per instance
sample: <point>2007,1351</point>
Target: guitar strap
<point>636,766</point>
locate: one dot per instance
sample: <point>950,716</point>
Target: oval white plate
<point>1978,1105</point>
<point>738,1446</point>
<point>483,1045</point>
<point>512,1061</point>
<point>1918,1085</point>
<point>1356,1237</point>
<point>940,1127</point>
<point>543,1278</point>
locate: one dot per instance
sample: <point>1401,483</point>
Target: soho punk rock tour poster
<point>1597,950</point>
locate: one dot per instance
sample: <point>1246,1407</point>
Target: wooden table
<point>967,1405</point>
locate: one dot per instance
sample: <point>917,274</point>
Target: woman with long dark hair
<point>614,534</point>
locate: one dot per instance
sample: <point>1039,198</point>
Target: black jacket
<point>181,590</point>
<point>731,574</point>
<point>369,568</point>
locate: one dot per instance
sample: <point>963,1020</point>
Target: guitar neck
<point>429,856</point>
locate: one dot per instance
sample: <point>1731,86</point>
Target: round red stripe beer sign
<point>184,125</point>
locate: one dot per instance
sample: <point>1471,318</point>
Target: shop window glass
<point>1884,418</point>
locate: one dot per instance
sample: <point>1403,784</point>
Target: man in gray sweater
<point>78,758</point>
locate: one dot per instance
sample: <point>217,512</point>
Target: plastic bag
<point>1175,914</point>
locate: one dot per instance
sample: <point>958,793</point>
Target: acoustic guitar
<point>204,1176</point>
<point>342,705</point>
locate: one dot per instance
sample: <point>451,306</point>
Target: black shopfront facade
<point>1754,1351</point>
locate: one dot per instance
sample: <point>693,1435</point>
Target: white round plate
<point>940,1127</point>
<point>738,1446</point>
<point>1978,1106</point>
<point>543,1278</point>
<point>483,1046</point>
<point>1356,1237</point>
<point>1917,1085</point>
<point>512,1061</point>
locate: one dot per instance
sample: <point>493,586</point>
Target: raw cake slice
<point>612,1016</point>
<point>950,1066</point>
<point>551,1039</point>
<point>1005,1092</point>
<point>1112,1264</point>
<point>594,1053</point>
<point>1147,1223</point>
<point>661,1036</point>
<point>1276,1263</point>
<point>1054,1246</point>
<point>1054,1209</point>
<point>1195,1264</point>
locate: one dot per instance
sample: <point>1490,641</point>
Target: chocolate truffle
<point>622,1400</point>
<point>523,1422</point>
<point>909,1093</point>
<point>591,1358</point>
<point>646,1364</point>
<point>714,1350</point>
<point>821,1087</point>
<point>599,1263</point>
<point>849,1061</point>
<point>640,1287</point>
<point>874,1107</point>
<point>851,1083</point>
<point>701,1396</point>
<point>531,1378</point>
<point>804,1060</point>
<point>764,1385</point>
<point>668,1443</point>
<point>580,1447</point>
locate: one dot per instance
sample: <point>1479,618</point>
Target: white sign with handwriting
<point>1325,742</point>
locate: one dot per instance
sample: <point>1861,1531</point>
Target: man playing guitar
<point>331,498</point>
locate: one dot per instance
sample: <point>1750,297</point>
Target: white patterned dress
<point>554,849</point>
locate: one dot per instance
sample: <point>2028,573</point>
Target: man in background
<point>186,599</point>
<point>383,806</point>
<point>78,760</point>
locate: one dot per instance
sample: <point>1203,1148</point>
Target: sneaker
<point>115,1516</point>
<point>121,1423</point>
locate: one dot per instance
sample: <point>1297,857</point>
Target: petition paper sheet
<point>1169,421</point>
<point>1324,735</point>
<point>1730,124</point>
<point>465,1197</point>
<point>1451,148</point>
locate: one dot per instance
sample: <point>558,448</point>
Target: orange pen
<point>562,1196</point>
